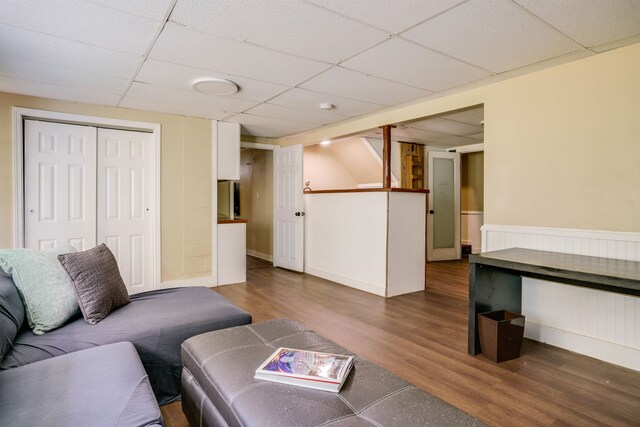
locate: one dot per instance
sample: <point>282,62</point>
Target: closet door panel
<point>126,169</point>
<point>59,185</point>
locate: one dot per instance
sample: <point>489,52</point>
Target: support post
<point>386,155</point>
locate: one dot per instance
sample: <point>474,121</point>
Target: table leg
<point>490,289</point>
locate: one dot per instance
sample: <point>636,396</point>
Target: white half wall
<point>407,249</point>
<point>603,325</point>
<point>346,239</point>
<point>471,234</point>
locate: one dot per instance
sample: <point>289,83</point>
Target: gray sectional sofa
<point>154,323</point>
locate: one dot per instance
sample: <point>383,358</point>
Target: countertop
<point>232,221</point>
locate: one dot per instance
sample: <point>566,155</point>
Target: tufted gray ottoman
<point>218,388</point>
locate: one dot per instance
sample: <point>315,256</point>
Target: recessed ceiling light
<point>325,142</point>
<point>215,86</point>
<point>325,106</point>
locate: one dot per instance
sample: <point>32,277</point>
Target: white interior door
<point>288,202</point>
<point>443,216</point>
<point>126,203</point>
<point>59,185</point>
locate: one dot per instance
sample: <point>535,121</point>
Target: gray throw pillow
<point>97,282</point>
<point>43,286</point>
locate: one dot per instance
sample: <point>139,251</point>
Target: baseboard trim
<point>367,287</point>
<point>599,349</point>
<point>260,255</point>
<point>207,281</point>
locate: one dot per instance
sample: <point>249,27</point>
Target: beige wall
<point>561,145</point>
<point>324,171</point>
<point>256,199</point>
<point>472,182</point>
<point>358,160</point>
<point>342,164</point>
<point>185,180</point>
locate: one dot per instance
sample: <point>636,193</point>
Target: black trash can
<point>501,335</point>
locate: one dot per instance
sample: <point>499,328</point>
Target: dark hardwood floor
<point>422,337</point>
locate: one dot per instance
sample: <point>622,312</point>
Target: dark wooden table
<point>495,279</point>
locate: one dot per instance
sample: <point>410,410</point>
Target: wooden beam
<point>386,155</point>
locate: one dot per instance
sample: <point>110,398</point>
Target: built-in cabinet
<point>232,252</point>
<point>227,137</point>
<point>232,234</point>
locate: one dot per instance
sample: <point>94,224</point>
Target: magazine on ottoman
<point>311,369</point>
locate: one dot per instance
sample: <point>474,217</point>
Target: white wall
<point>346,239</point>
<point>407,249</point>
<point>600,324</point>
<point>470,223</point>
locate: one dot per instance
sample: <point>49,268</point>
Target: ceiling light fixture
<point>325,106</point>
<point>215,86</point>
<point>325,142</point>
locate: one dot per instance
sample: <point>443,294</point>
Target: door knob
<point>431,212</point>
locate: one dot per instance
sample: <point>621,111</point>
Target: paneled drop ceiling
<point>289,56</point>
<point>450,130</point>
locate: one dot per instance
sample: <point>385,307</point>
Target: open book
<point>321,371</point>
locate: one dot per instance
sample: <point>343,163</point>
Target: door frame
<point>20,114</point>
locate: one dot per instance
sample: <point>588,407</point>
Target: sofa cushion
<point>102,386</point>
<point>156,322</point>
<point>11,313</point>
<point>96,281</point>
<point>43,285</point>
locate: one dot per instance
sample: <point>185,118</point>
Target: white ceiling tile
<point>82,21</point>
<point>296,114</point>
<point>589,22</point>
<point>171,108</point>
<point>191,48</point>
<point>65,93</point>
<point>182,77</point>
<point>60,76</point>
<point>495,35</point>
<point>268,127</point>
<point>474,116</point>
<point>390,15</point>
<point>284,25</point>
<point>42,48</point>
<point>310,100</point>
<point>426,136</point>
<point>353,84</point>
<point>447,126</point>
<point>405,62</point>
<point>191,98</point>
<point>416,134</point>
<point>154,9</point>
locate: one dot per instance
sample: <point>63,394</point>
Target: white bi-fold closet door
<point>85,186</point>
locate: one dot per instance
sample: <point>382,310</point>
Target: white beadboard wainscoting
<point>600,324</point>
<point>471,222</point>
